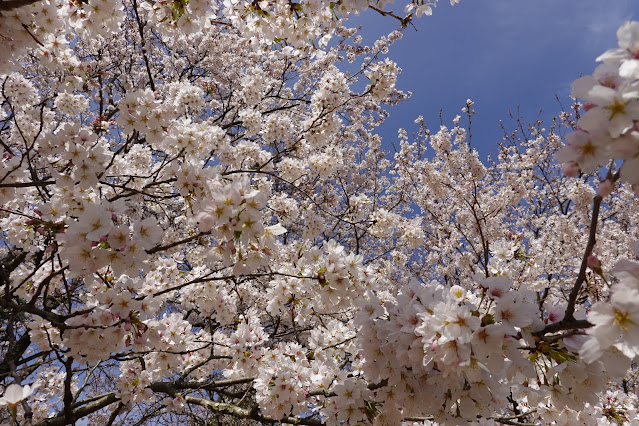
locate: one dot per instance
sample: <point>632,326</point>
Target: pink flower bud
<point>570,169</point>
<point>205,222</point>
<point>594,263</point>
<point>605,188</point>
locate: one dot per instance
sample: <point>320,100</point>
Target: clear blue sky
<point>500,53</point>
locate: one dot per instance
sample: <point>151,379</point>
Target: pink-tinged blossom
<point>497,286</point>
<point>588,150</point>
<point>605,188</point>
<point>604,75</point>
<point>514,311</point>
<point>555,313</point>
<point>570,169</point>
<point>594,263</point>
<point>204,221</point>
<point>616,110</point>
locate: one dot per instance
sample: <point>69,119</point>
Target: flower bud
<point>570,169</point>
<point>205,222</point>
<point>595,264</point>
<point>605,188</point>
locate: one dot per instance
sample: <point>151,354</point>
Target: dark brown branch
<point>171,389</point>
<point>176,243</point>
<point>15,353</point>
<point>26,184</point>
<point>581,278</point>
<point>404,21</point>
<point>7,5</point>
<point>68,395</point>
<point>569,322</point>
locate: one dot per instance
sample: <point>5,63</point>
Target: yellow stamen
<point>622,319</point>
<point>617,107</point>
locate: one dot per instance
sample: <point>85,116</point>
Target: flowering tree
<point>199,226</point>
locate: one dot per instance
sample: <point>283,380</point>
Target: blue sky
<point>500,53</point>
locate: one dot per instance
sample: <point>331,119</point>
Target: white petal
<point>629,69</point>
<point>582,86</point>
<point>590,351</point>
<point>275,229</point>
<point>613,56</point>
<point>630,171</point>
<point>616,363</point>
<point>601,95</point>
<point>620,124</point>
<point>594,119</point>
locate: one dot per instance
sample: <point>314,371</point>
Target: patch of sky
<point>505,55</point>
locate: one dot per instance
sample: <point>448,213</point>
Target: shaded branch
<point>171,389</point>
<point>7,5</point>
<point>90,408</point>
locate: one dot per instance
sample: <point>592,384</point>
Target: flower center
<point>622,319</point>
<point>617,107</point>
<point>588,149</point>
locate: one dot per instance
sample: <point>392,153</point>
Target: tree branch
<point>8,5</point>
<point>85,410</point>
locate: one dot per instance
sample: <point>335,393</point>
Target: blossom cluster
<point>198,219</point>
<point>450,343</point>
<point>608,129</point>
<point>615,320</point>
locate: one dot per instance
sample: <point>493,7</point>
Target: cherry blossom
<point>200,221</point>
<point>15,393</point>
